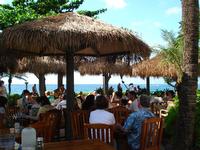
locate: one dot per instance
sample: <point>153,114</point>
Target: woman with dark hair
<point>45,106</point>
<point>100,115</point>
<point>88,104</point>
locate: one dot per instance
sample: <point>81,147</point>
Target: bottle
<point>40,143</point>
<point>28,138</point>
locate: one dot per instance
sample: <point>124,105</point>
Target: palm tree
<point>188,86</point>
<point>10,77</point>
<point>172,53</point>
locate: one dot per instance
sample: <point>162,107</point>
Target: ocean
<point>18,88</point>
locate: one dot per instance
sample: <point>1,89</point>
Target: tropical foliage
<point>25,10</point>
<point>173,52</point>
<point>171,121</point>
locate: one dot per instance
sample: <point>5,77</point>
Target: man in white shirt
<point>100,115</point>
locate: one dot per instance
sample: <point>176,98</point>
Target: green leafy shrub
<point>99,90</point>
<point>170,121</point>
<point>197,122</point>
<point>12,99</point>
<point>110,91</point>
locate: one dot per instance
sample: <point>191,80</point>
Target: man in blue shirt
<point>133,124</point>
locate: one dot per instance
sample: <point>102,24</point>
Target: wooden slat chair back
<point>100,132</point>
<point>121,114</point>
<point>2,125</point>
<point>151,134</point>
<point>47,127</point>
<point>78,118</point>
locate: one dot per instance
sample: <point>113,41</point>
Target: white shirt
<point>134,105</point>
<point>101,116</point>
<point>61,105</point>
<point>2,110</point>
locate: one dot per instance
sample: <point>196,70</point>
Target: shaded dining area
<point>63,37</point>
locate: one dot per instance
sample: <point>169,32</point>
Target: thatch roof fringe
<point>154,67</point>
<point>72,32</point>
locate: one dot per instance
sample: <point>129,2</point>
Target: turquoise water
<point>18,88</point>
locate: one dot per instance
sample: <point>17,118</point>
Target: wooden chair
<point>78,118</point>
<point>100,132</point>
<point>121,114</point>
<point>48,126</point>
<point>151,134</point>
<point>2,124</point>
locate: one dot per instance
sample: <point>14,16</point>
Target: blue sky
<point>145,17</point>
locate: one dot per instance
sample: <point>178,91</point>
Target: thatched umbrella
<point>41,66</point>
<point>71,34</point>
<point>98,67</point>
<point>154,67</point>
<point>106,69</point>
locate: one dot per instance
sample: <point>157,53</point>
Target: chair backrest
<point>78,118</point>
<point>48,126</point>
<point>2,125</point>
<point>151,134</point>
<point>121,114</point>
<point>100,132</point>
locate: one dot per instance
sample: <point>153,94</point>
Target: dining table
<point>78,144</point>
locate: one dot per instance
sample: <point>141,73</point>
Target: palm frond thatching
<point>98,67</point>
<point>154,67</point>
<point>41,65</point>
<point>72,33</point>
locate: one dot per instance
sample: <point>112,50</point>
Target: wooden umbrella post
<point>70,93</point>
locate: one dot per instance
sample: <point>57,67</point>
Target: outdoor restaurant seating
<point>78,118</point>
<point>121,113</point>
<point>151,134</point>
<point>48,126</point>
<point>100,132</point>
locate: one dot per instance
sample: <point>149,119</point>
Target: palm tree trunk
<point>187,89</point>
<point>106,78</point>
<point>42,86</point>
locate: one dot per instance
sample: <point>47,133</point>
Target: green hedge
<point>170,121</point>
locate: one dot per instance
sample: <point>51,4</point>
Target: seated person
<point>134,105</point>
<point>100,115</point>
<point>116,97</point>
<point>133,124</point>
<point>88,104</point>
<point>44,107</point>
<point>62,104</point>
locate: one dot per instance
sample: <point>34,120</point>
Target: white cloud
<point>117,4</point>
<point>157,24</point>
<point>173,11</point>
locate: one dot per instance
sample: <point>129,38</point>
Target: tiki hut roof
<point>154,67</point>
<point>41,65</point>
<point>99,67</point>
<point>71,32</point>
